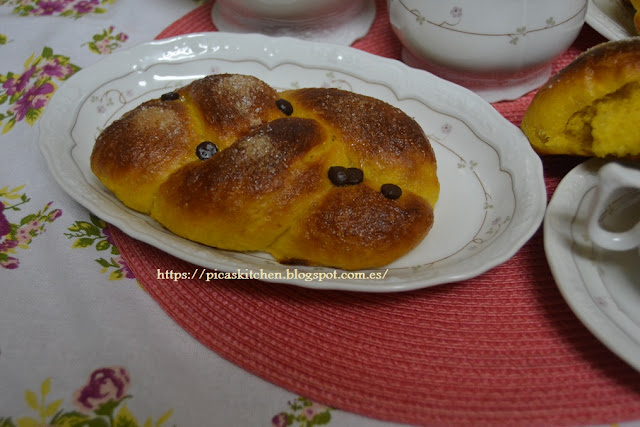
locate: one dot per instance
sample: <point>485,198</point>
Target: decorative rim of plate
<point>443,97</point>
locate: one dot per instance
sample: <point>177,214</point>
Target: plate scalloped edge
<point>442,96</point>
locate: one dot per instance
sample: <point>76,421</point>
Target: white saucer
<point>601,287</point>
<point>342,30</point>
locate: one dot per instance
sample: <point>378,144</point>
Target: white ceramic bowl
<point>500,49</point>
<point>335,21</point>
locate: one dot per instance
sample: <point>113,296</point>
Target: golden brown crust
<point>231,105</point>
<point>144,147</point>
<point>268,187</point>
<point>389,144</point>
<point>372,232</point>
<point>245,196</point>
<point>592,106</point>
<point>159,137</point>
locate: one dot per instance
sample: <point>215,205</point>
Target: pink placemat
<point>500,348</point>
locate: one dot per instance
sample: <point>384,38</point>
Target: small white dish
<point>330,21</point>
<point>601,287</point>
<point>611,19</point>
<point>493,195</point>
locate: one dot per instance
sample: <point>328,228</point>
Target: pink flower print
<point>32,226</point>
<point>11,263</point>
<point>34,98</point>
<point>311,411</point>
<point>54,69</point>
<point>122,37</point>
<point>105,384</point>
<point>23,235</point>
<point>5,227</point>
<point>456,12</point>
<point>10,86</point>
<point>279,420</point>
<point>7,245</point>
<point>103,46</point>
<point>124,267</point>
<point>86,6</point>
<point>13,86</point>
<point>49,7</point>
<point>54,214</point>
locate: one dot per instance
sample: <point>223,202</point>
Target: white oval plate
<point>611,19</point>
<point>601,287</point>
<point>492,189</point>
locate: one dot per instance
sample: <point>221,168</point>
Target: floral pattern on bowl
<point>513,37</point>
<point>499,56</point>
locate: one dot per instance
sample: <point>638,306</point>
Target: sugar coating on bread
<point>592,106</point>
<point>388,143</point>
<point>231,106</point>
<point>266,186</point>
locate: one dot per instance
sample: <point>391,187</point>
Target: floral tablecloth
<point>81,340</point>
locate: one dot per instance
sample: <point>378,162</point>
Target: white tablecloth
<point>76,329</point>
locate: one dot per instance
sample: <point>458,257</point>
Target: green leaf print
<point>27,219</point>
<point>94,402</point>
<point>125,418</point>
<point>109,407</point>
<point>6,422</point>
<point>95,233</point>
<point>107,41</point>
<point>83,242</point>
<point>69,419</point>
<point>47,52</point>
<point>18,235</point>
<point>98,222</point>
<point>9,125</point>
<point>103,245</point>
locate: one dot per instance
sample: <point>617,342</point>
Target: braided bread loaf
<point>313,176</point>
